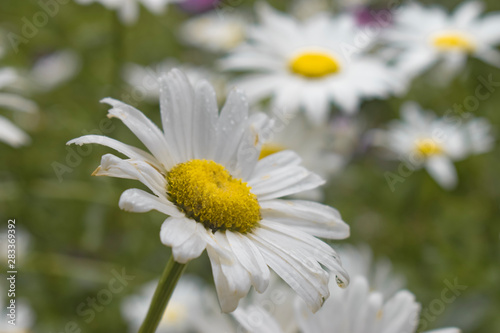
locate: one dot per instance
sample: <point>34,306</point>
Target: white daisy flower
<point>312,143</point>
<point>428,35</point>
<point>214,31</point>
<point>359,261</point>
<point>204,171</point>
<point>128,10</point>
<point>357,309</point>
<point>144,79</point>
<point>192,308</point>
<point>10,133</point>
<point>423,140</point>
<point>309,64</point>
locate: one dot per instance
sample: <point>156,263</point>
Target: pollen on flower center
<point>269,149</point>
<point>428,147</point>
<point>449,41</point>
<point>314,64</point>
<point>206,192</point>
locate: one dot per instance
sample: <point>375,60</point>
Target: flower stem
<point>164,290</point>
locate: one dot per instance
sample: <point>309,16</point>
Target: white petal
<point>311,217</point>
<point>298,269</point>
<point>183,236</point>
<point>231,280</point>
<point>177,105</point>
<point>231,127</point>
<point>139,201</point>
<point>251,259</point>
<point>11,134</point>
<point>113,166</point>
<point>17,103</point>
<point>443,171</point>
<point>143,128</point>
<point>127,150</point>
<point>205,118</point>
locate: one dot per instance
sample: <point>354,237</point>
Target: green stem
<point>164,290</point>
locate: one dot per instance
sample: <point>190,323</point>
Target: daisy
<point>356,309</point>
<point>204,172</point>
<point>214,32</point>
<point>426,36</point>
<point>128,10</point>
<point>359,310</point>
<point>359,261</point>
<point>144,79</point>
<point>10,133</point>
<point>309,64</point>
<point>191,309</point>
<point>425,141</point>
<point>316,151</point>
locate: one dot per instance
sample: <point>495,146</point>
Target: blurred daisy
<point>445,38</point>
<point>309,64</point>
<point>10,133</point>
<point>313,145</point>
<point>434,143</point>
<point>205,172</point>
<point>145,79</point>
<point>359,261</point>
<point>357,309</point>
<point>213,31</point>
<point>128,10</point>
<point>192,308</point>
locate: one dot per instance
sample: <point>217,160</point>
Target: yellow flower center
<point>175,313</point>
<point>269,149</point>
<point>448,41</point>
<point>314,65</point>
<point>207,193</point>
<point>428,147</point>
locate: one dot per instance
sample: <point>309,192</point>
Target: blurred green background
<point>79,235</point>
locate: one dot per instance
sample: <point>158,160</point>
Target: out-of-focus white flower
<point>145,79</point>
<point>10,133</point>
<point>49,72</point>
<point>23,315</point>
<point>309,65</point>
<point>357,309</point>
<point>214,31</point>
<point>428,35</point>
<point>269,312</point>
<point>22,244</point>
<point>312,143</point>
<point>205,173</point>
<point>192,308</point>
<point>359,261</point>
<point>128,10</point>
<point>434,143</point>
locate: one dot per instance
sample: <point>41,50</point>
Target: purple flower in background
<point>198,6</point>
<point>368,15</point>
